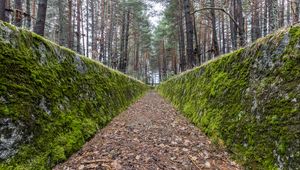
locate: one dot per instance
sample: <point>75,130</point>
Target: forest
<point>149,84</point>
<point>120,34</point>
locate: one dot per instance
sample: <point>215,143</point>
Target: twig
<point>194,162</point>
<point>96,161</point>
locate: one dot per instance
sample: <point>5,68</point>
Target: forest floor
<point>151,134</point>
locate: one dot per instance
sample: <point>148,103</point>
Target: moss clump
<point>248,101</point>
<point>53,100</point>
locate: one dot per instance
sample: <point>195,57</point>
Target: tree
<point>189,34</point>
<point>28,12</point>
<point>295,10</point>
<point>39,27</point>
<point>3,11</point>
<point>214,28</point>
<point>255,26</point>
<point>19,11</point>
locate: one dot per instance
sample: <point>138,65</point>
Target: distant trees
<point>214,27</point>
<point>118,33</point>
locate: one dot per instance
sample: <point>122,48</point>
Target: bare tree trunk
<point>288,13</point>
<point>87,27</point>
<point>70,26</point>
<point>273,13</point>
<point>19,15</point>
<point>255,27</point>
<point>28,11</point>
<point>39,27</point>
<point>266,17</point>
<point>215,45</point>
<point>62,35</point>
<point>126,41</point>
<point>233,27</point>
<point>78,35</point>
<point>281,14</point>
<point>295,10</point>
<point>189,34</point>
<point>240,18</point>
<point>33,8</point>
<point>181,39</point>
<point>2,10</point>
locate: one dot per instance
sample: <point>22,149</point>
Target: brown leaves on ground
<point>150,135</point>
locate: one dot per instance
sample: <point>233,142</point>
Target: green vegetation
<point>248,101</point>
<point>52,100</point>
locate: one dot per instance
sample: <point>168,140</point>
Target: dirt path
<point>150,135</point>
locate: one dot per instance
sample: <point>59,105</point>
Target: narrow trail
<point>150,135</point>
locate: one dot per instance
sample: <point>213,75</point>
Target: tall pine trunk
<point>3,11</point>
<point>28,12</point>
<point>189,34</point>
<point>18,14</point>
<point>78,34</point>
<point>39,27</point>
<point>215,45</point>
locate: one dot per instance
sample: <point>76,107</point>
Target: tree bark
<point>70,25</point>
<point>181,39</point>
<point>241,23</point>
<point>255,27</point>
<point>3,11</point>
<point>78,34</point>
<point>295,10</point>
<point>273,13</point>
<point>28,12</point>
<point>39,27</point>
<point>233,27</point>
<point>189,34</point>
<point>215,49</point>
<point>18,15</point>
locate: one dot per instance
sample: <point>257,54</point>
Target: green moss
<point>60,98</point>
<point>248,101</point>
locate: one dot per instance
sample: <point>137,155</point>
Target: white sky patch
<point>156,13</point>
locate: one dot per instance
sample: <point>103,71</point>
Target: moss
<point>60,97</point>
<point>248,101</point>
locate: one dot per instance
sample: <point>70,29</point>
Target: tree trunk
<point>181,39</point>
<point>265,29</point>
<point>2,11</point>
<point>288,13</point>
<point>233,28</point>
<point>126,41</point>
<point>87,28</point>
<point>255,27</point>
<point>62,34</point>
<point>33,8</point>
<point>70,26</point>
<point>273,13</point>
<point>189,34</point>
<point>78,34</point>
<point>295,10</point>
<point>215,45</point>
<point>240,18</point>
<point>281,18</point>
<point>19,11</point>
<point>28,12</point>
<point>39,27</point>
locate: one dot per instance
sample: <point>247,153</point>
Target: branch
<point>220,9</point>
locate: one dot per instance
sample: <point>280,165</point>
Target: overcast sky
<point>156,12</point>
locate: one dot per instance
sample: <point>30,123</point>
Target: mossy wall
<point>248,101</point>
<point>53,100</point>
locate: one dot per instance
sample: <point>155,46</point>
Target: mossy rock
<point>248,100</point>
<point>53,100</point>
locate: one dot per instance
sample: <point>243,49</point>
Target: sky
<point>156,12</point>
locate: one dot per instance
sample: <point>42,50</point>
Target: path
<point>150,135</point>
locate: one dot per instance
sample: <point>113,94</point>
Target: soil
<point>150,135</point>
